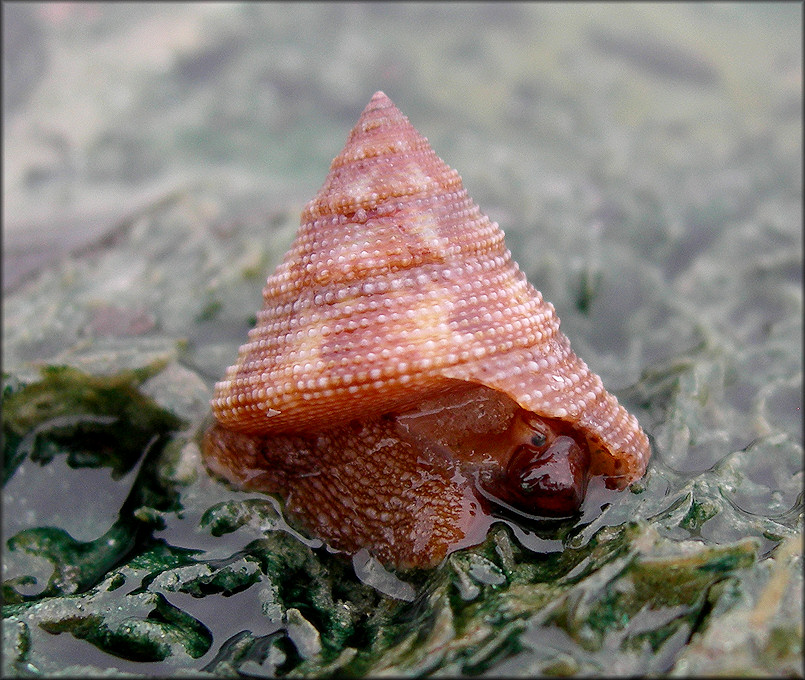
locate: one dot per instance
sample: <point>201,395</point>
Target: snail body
<point>403,374</point>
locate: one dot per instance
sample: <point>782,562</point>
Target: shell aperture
<point>402,370</point>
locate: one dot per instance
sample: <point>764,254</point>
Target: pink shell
<point>396,287</point>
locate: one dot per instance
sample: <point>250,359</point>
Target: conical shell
<point>395,287</point>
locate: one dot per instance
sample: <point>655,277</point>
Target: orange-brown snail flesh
<point>537,466</point>
<point>403,376</point>
<point>412,478</point>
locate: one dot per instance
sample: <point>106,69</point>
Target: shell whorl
<point>396,287</point>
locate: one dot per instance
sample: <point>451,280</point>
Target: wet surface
<point>645,164</point>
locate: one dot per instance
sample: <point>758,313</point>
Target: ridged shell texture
<point>395,287</point>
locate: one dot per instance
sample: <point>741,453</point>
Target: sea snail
<point>403,378</point>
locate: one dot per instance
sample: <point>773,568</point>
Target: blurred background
<point>593,114</point>
<point>644,161</point>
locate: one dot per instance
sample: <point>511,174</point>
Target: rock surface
<point>645,164</point>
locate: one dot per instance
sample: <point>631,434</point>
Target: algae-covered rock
<point>645,164</point>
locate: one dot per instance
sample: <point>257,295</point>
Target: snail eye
<point>538,429</point>
<point>538,439</point>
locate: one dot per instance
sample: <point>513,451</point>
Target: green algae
<point>638,588</point>
<point>140,626</point>
<point>621,588</point>
<point>645,164</point>
<point>96,421</point>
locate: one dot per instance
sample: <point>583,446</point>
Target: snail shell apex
<point>396,289</point>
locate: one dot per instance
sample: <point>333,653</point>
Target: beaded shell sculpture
<point>403,378</point>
